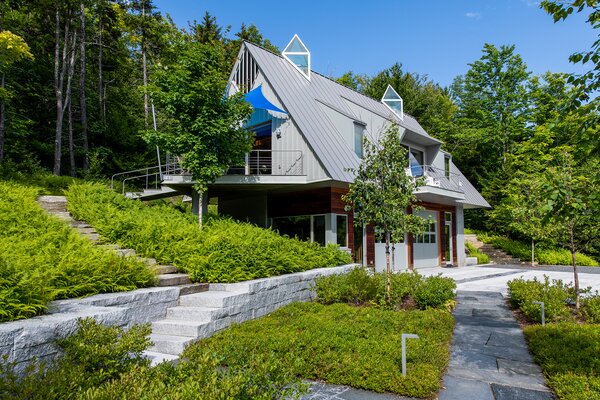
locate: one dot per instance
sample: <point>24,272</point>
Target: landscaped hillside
<point>223,251</point>
<point>42,259</point>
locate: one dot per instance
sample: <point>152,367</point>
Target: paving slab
<point>502,392</point>
<point>326,391</point>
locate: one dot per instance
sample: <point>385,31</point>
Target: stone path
<point>324,391</point>
<point>489,358</point>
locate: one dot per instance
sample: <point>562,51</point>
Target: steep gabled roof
<point>301,98</point>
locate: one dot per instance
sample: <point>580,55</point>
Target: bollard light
<point>541,303</point>
<point>404,337</point>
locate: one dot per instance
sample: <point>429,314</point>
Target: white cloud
<point>474,15</point>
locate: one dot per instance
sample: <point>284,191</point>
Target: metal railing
<point>436,177</point>
<point>145,178</point>
<point>271,162</point>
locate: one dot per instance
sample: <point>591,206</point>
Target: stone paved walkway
<point>325,391</point>
<point>489,357</point>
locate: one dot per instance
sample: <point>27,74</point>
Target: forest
<point>77,78</point>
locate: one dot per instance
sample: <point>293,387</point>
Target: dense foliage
<point>341,344</point>
<point>42,259</point>
<point>547,255</point>
<point>224,251</point>
<point>569,354</point>
<point>106,363</point>
<point>408,289</point>
<point>475,252</point>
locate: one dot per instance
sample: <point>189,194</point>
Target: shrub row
<point>556,297</point>
<point>223,251</point>
<point>569,354</point>
<point>106,363</point>
<point>42,259</point>
<point>474,252</point>
<point>543,255</point>
<point>359,287</point>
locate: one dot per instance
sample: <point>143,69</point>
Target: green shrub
<point>434,292</point>
<point>474,252</point>
<point>523,293</point>
<point>42,259</point>
<point>543,254</point>
<point>223,251</point>
<point>359,287</point>
<point>590,309</point>
<point>569,354</point>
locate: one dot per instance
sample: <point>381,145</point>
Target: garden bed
<point>223,251</point>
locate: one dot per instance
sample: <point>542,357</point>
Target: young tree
<point>206,127</point>
<point>382,192</point>
<point>572,194</point>
<point>12,50</point>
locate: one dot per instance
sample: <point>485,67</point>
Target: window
<point>447,166</point>
<point>415,162</point>
<point>358,139</point>
<point>297,54</point>
<point>448,216</point>
<point>304,227</point>
<point>342,230</point>
<point>393,101</point>
<point>429,234</point>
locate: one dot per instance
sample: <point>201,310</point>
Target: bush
<point>543,254</point>
<point>474,252</point>
<point>590,309</point>
<point>569,354</point>
<point>223,251</point>
<point>554,294</point>
<point>434,292</point>
<point>359,287</point>
<point>42,259</point>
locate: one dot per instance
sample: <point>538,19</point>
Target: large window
<point>447,166</point>
<point>342,230</point>
<point>428,235</point>
<point>304,227</point>
<point>393,101</point>
<point>297,53</point>
<point>358,139</point>
<point>415,162</point>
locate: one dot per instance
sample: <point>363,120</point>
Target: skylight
<point>297,54</point>
<point>393,101</point>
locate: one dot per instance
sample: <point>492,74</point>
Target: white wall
<point>400,257</point>
<point>460,235</point>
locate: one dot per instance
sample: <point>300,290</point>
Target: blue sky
<point>437,37</point>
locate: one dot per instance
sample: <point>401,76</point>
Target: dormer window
<point>393,101</point>
<point>298,55</point>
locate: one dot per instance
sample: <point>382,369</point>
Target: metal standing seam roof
<point>302,98</point>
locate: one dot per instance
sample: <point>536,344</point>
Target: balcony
<point>271,163</point>
<point>436,177</point>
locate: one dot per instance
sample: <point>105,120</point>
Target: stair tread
<point>215,294</point>
<point>169,338</point>
<point>169,321</point>
<point>175,275</point>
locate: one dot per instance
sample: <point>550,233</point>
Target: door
<point>448,244</point>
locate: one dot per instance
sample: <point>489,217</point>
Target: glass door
<point>448,246</point>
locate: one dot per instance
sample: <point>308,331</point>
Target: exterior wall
<point>400,261</point>
<point>287,136</point>
<point>460,236</point>
<point>251,208</point>
<point>343,124</point>
<point>375,123</point>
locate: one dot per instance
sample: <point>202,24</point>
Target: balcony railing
<point>271,162</point>
<point>436,177</point>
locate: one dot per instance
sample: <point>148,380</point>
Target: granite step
<point>192,288</point>
<point>180,327</point>
<point>202,314</point>
<point>173,279</point>
<point>215,299</point>
<point>157,358</point>
<point>163,269</point>
<point>169,344</point>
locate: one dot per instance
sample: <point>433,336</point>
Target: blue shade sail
<point>257,100</point>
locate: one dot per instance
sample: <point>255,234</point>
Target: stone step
<point>79,224</point>
<point>110,246</point>
<point>173,279</point>
<point>192,288</point>
<point>163,269</point>
<point>169,344</point>
<point>126,252</point>
<point>85,231</point>
<point>148,261</point>
<point>179,327</point>
<point>157,358</point>
<point>215,299</point>
<point>200,314</point>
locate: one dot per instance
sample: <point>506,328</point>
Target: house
<point>309,130</point>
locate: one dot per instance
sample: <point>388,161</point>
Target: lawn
<point>43,259</point>
<point>223,251</point>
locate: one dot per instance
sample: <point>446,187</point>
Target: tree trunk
<point>82,98</point>
<point>71,145</point>
<point>59,77</point>
<point>575,274</point>
<point>388,280</point>
<point>393,257</point>
<point>532,252</point>
<point>144,67</point>
<point>200,205</point>
<point>2,122</point>
<point>68,101</point>
<point>100,71</point>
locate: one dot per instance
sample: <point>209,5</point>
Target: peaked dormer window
<point>297,54</point>
<point>393,101</point>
